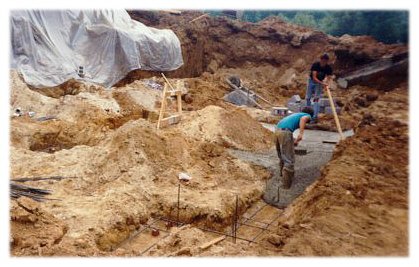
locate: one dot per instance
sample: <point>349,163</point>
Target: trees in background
<point>385,26</point>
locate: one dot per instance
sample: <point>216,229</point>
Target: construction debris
<point>296,104</point>
<point>184,176</point>
<point>18,190</point>
<point>241,98</point>
<point>280,111</point>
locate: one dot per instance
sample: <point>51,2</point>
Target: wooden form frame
<point>175,118</point>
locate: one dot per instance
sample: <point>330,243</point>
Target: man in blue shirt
<point>285,142</point>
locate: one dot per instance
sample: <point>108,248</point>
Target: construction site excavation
<point>183,133</point>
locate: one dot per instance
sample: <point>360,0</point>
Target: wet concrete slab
<point>307,167</point>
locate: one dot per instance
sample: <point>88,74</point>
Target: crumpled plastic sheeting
<point>48,47</point>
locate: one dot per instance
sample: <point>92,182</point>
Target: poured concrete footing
<point>307,167</point>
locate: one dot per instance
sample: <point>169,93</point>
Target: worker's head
<point>324,59</point>
<point>308,110</point>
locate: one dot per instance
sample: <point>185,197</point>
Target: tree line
<point>385,26</point>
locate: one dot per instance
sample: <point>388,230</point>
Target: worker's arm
<point>303,122</point>
<point>316,79</point>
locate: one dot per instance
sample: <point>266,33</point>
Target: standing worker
<point>285,142</point>
<point>320,75</point>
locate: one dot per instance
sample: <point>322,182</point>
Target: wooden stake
<point>335,115</point>
<point>179,102</point>
<point>163,106</point>
<point>259,96</point>
<point>198,18</point>
<point>167,81</point>
<point>212,242</point>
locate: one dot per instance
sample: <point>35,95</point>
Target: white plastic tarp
<point>49,47</point>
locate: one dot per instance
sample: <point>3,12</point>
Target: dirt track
<point>127,171</point>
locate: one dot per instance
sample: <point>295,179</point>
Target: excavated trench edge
<point>269,160</point>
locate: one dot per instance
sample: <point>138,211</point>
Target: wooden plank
<point>212,242</point>
<point>163,106</point>
<point>170,120</point>
<point>179,102</point>
<point>198,18</point>
<point>172,11</point>
<point>173,93</point>
<point>263,99</point>
<point>258,96</point>
<point>167,81</point>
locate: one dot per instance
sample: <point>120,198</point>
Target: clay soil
<point>121,173</point>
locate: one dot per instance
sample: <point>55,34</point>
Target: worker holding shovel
<point>285,142</point>
<point>320,74</point>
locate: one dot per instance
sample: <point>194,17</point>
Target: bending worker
<point>320,74</point>
<point>285,142</point>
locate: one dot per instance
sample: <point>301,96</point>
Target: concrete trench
<point>307,167</point>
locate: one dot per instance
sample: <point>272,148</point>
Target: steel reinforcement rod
<point>205,229</point>
<point>57,178</point>
<point>236,215</point>
<point>178,202</point>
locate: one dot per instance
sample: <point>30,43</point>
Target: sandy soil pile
<point>124,174</point>
<point>233,128</point>
<point>33,229</point>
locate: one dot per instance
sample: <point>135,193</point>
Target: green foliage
<point>385,26</point>
<point>305,19</point>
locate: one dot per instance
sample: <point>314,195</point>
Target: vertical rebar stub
<point>236,218</point>
<point>178,204</point>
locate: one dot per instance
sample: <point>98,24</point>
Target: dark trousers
<point>284,143</point>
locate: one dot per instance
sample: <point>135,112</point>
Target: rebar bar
<point>37,194</point>
<point>27,179</point>
<point>235,218</point>
<point>206,229</point>
<point>178,202</point>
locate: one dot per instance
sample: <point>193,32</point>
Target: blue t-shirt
<point>292,122</point>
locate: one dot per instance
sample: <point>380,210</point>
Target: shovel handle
<point>335,115</point>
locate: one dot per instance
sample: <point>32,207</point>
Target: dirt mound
<point>355,51</point>
<point>182,242</point>
<point>231,128</point>
<point>138,166</point>
<point>33,229</point>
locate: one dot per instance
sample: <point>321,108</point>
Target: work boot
<point>287,177</point>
